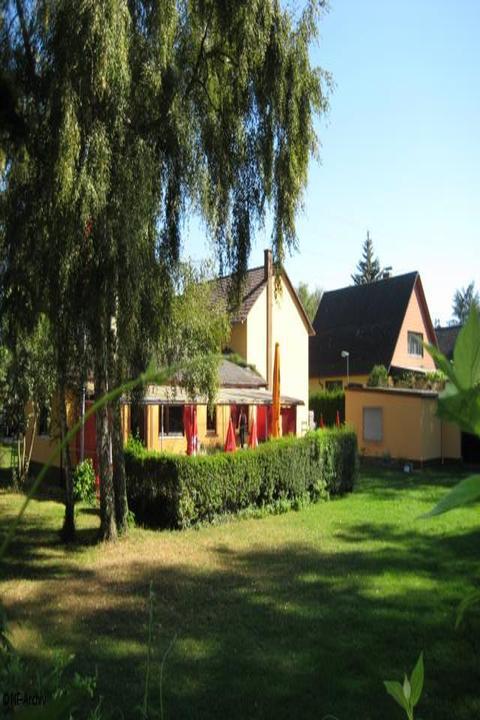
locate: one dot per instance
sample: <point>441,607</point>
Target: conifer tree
<point>368,268</point>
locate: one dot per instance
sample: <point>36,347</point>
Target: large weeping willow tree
<point>120,117</point>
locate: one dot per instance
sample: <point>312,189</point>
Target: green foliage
<point>84,487</point>
<point>408,694</point>
<point>368,268</point>
<point>326,403</point>
<point>178,491</point>
<point>309,300</point>
<point>463,302</point>
<point>378,376</point>
<point>199,327</point>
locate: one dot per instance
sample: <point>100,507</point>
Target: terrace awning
<point>166,395</point>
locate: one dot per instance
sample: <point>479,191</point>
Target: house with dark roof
<point>357,327</point>
<point>447,337</point>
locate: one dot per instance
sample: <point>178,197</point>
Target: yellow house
<point>269,312</point>
<point>400,423</point>
<point>357,327</point>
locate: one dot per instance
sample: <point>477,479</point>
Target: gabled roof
<point>252,287</point>
<point>447,337</point>
<point>253,284</point>
<point>364,320</point>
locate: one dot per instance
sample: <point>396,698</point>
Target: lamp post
<point>346,354</point>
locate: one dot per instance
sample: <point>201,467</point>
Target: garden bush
<point>179,491</point>
<point>378,376</point>
<point>326,403</point>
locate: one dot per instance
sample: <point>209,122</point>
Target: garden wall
<point>179,491</point>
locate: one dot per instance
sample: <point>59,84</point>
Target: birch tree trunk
<point>27,454</point>
<point>108,525</point>
<point>68,530</point>
<point>119,475</point>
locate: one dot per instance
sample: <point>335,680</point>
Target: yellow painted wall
<point>411,429</point>
<point>316,384</point>
<point>416,322</point>
<point>288,329</point>
<point>44,445</point>
<point>256,332</point>
<point>178,444</point>
<point>238,338</point>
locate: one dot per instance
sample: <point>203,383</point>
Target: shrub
<point>378,376</point>
<point>84,482</point>
<point>326,403</point>
<point>178,491</point>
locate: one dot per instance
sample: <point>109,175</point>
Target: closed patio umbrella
<point>230,442</point>
<point>187,426</point>
<point>276,393</point>
<point>253,439</point>
<point>194,433</point>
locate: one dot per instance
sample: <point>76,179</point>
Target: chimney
<point>268,264</point>
<point>268,275</point>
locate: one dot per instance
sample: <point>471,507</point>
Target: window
<point>333,385</point>
<point>373,424</point>
<point>172,419</point>
<point>212,420</point>
<point>415,344</point>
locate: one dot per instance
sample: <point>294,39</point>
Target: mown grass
<point>297,615</point>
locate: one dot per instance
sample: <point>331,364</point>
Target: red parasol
<point>337,419</point>
<point>322,424</point>
<point>253,439</point>
<point>230,442</point>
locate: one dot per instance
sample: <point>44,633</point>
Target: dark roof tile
<point>365,320</point>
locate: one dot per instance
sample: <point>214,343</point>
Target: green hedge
<point>326,403</point>
<point>178,491</point>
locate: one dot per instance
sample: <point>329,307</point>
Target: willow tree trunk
<point>119,475</point>
<point>108,525</point>
<point>68,530</point>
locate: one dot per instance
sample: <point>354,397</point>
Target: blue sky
<point>400,149</point>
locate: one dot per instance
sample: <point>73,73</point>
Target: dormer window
<point>415,344</point>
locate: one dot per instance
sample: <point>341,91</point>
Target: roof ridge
<point>375,282</point>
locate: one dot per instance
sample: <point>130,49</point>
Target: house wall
<point>178,444</point>
<point>289,330</point>
<point>411,429</point>
<point>415,320</point>
<point>238,338</point>
<point>316,384</point>
<point>44,445</point>
<point>256,335</point>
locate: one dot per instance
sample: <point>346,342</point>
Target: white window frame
<point>418,338</point>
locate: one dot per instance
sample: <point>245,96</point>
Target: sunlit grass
<point>296,615</point>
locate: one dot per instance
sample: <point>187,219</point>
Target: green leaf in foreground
<point>466,492</point>
<point>396,691</point>
<point>416,681</point>
<point>466,356</point>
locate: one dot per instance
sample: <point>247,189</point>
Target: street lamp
<point>346,354</point>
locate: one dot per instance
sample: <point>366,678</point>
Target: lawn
<point>297,615</point>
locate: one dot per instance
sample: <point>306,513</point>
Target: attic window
<point>415,344</point>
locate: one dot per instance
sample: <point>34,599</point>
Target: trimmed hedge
<point>179,491</point>
<point>326,403</point>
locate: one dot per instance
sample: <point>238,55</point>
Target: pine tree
<point>368,268</point>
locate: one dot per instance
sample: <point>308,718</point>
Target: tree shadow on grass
<point>285,631</point>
